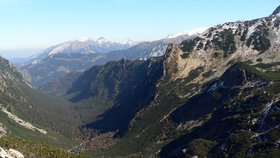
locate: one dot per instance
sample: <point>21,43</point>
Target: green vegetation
<point>230,113</point>
<point>200,147</point>
<point>267,76</point>
<point>115,93</point>
<point>188,45</point>
<point>224,40</point>
<point>244,35</point>
<point>259,60</point>
<point>208,74</point>
<point>266,154</point>
<point>274,134</point>
<point>35,149</point>
<point>267,66</point>
<point>259,39</point>
<point>193,74</point>
<point>185,55</point>
<point>15,130</point>
<point>238,144</point>
<point>52,114</point>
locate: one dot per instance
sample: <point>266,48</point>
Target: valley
<point>211,93</point>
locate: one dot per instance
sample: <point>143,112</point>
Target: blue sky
<point>37,24</point>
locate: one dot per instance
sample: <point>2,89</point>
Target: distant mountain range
<point>80,55</point>
<point>84,45</point>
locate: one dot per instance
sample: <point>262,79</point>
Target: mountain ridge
<point>216,94</point>
<point>276,11</point>
<point>49,68</point>
<point>221,82</point>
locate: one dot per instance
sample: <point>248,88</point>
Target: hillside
<point>215,94</point>
<point>218,97</point>
<point>28,114</point>
<point>118,91</point>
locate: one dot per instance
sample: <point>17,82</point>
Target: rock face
<point>218,96</point>
<point>3,130</point>
<point>11,153</point>
<point>222,44</point>
<point>244,57</point>
<point>3,153</point>
<point>14,153</point>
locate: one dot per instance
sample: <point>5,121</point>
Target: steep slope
<point>218,97</point>
<point>61,86</point>
<point>239,112</point>
<point>112,94</point>
<point>26,113</point>
<point>276,11</point>
<point>198,61</point>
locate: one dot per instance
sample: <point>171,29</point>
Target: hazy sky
<point>37,24</point>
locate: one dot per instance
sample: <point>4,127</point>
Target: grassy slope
<point>35,149</point>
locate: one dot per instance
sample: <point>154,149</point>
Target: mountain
<point>61,59</point>
<point>57,61</point>
<point>146,50</point>
<point>214,95</point>
<point>219,95</point>
<point>28,117</point>
<point>238,112</point>
<point>128,42</point>
<point>84,45</point>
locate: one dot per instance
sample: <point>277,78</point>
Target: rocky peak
<point>221,46</point>
<point>102,40</point>
<point>128,42</point>
<point>276,11</point>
